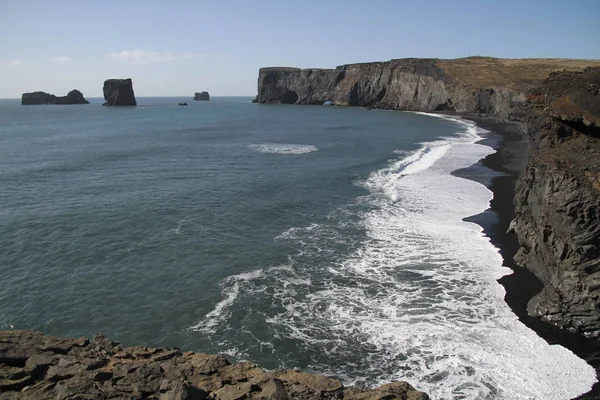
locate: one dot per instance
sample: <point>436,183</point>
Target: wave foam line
<point>284,149</point>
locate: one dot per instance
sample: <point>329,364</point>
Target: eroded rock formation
<point>558,201</point>
<point>119,92</point>
<point>476,84</point>
<point>204,96</point>
<point>35,98</point>
<point>34,366</point>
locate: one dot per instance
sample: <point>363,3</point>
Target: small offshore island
<point>119,92</point>
<point>36,98</point>
<point>201,96</point>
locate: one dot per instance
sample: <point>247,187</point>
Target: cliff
<point>204,96</point>
<point>34,366</point>
<point>558,201</point>
<point>557,196</point>
<point>118,92</point>
<point>475,85</point>
<point>35,98</point>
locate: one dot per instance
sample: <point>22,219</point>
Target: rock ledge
<point>35,366</point>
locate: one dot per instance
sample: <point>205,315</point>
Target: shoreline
<point>506,165</point>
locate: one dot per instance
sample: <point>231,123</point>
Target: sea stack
<point>35,98</point>
<point>202,96</point>
<point>119,92</point>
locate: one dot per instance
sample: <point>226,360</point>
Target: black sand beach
<point>506,165</point>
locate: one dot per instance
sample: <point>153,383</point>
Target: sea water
<point>323,238</point>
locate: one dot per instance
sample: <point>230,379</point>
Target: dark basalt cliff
<point>34,366</point>
<point>558,194</point>
<point>118,92</point>
<point>407,84</point>
<point>476,84</point>
<point>35,98</point>
<point>558,201</point>
<point>204,96</point>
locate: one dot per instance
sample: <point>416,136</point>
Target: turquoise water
<point>324,238</point>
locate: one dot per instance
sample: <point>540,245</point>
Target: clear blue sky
<point>179,47</point>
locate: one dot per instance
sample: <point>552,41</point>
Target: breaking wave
<point>275,148</point>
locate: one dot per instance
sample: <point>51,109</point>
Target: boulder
<point>119,92</point>
<point>202,96</point>
<point>34,98</point>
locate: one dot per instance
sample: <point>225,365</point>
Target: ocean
<point>329,239</point>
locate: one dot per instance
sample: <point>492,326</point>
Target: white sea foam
<point>278,148</point>
<point>418,300</point>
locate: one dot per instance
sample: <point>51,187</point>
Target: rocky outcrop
<point>204,96</point>
<point>119,92</point>
<point>406,84</point>
<point>35,98</point>
<point>485,85</point>
<point>558,201</point>
<point>34,366</point>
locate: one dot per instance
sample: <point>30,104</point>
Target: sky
<point>176,48</point>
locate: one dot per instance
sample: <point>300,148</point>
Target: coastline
<point>499,172</point>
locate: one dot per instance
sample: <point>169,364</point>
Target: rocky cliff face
<point>485,85</point>
<point>35,98</point>
<point>119,92</point>
<point>558,201</point>
<point>34,366</point>
<point>406,84</point>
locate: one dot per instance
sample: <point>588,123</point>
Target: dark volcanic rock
<point>118,92</point>
<point>36,98</point>
<point>34,366</point>
<point>406,84</point>
<point>73,97</point>
<point>558,201</point>
<point>201,96</point>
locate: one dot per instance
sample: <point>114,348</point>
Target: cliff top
<point>514,73</point>
<point>265,69</point>
<point>567,134</point>
<point>519,74</point>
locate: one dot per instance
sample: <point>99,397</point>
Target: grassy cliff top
<point>519,74</point>
<point>514,73</point>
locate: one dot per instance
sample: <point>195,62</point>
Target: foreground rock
<point>118,92</point>
<point>35,98</point>
<point>202,96</point>
<point>475,84</point>
<point>34,366</point>
<point>558,201</point>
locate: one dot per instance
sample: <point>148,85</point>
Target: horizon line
<point>186,95</point>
